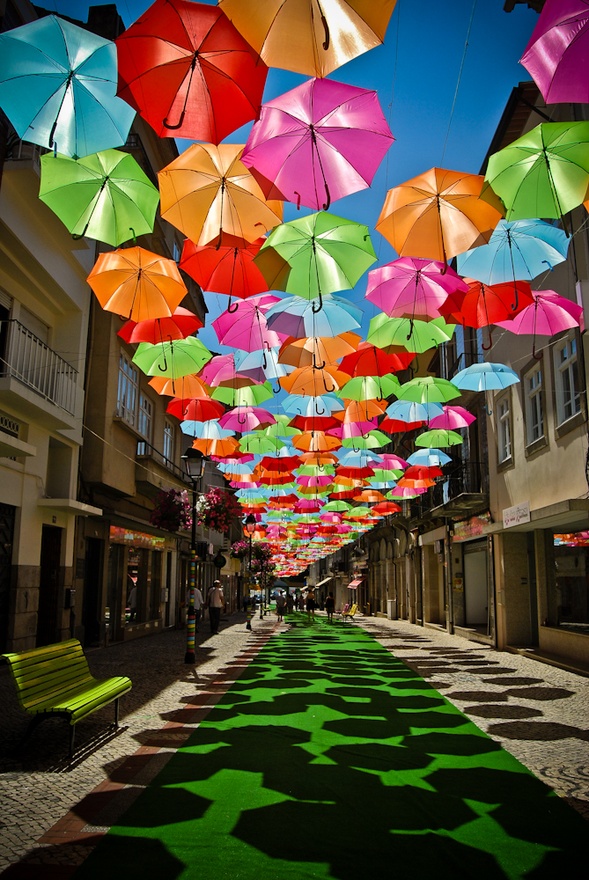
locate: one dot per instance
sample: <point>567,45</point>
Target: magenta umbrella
<point>246,327</point>
<point>221,369</point>
<point>453,418</point>
<point>557,52</point>
<point>549,314</point>
<point>246,418</point>
<point>318,142</point>
<point>412,287</point>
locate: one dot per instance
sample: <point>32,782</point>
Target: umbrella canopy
<point>225,266</point>
<point>325,254</point>
<point>315,441</point>
<point>246,327</point>
<point>291,35</point>
<point>184,387</point>
<point>331,316</point>
<point>411,411</point>
<point>413,335</point>
<point>195,409</point>
<point>180,324</point>
<point>428,389</point>
<point>483,304</point>
<point>251,395</point>
<point>312,382</point>
<point>138,284</point>
<point>58,87</point>
<point>207,192</point>
<point>317,351</point>
<point>517,249</point>
<point>556,54</point>
<point>189,72</point>
<point>452,418</point>
<point>430,457</point>
<point>370,388</point>
<point>544,173</point>
<point>105,196</point>
<point>443,437</point>
<point>412,287</point>
<point>319,142</point>
<point>368,360</point>
<point>246,418</point>
<point>548,314</point>
<point>438,214</point>
<point>485,377</point>
<point>172,359</point>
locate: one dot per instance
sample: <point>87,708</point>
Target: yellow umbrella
<point>208,191</point>
<point>308,36</point>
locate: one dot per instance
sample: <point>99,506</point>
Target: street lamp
<point>194,462</point>
<point>250,527</point>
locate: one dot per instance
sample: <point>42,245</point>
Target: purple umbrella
<point>317,143</point>
<point>412,287</point>
<point>246,418</point>
<point>558,52</point>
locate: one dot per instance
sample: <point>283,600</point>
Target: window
<point>145,416</point>
<point>503,411</point>
<point>566,380</point>
<point>127,393</point>
<point>168,441</point>
<point>534,405</point>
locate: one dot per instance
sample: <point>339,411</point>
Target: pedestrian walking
<point>195,598</point>
<point>311,605</point>
<point>215,601</point>
<point>329,607</point>
<point>280,606</point>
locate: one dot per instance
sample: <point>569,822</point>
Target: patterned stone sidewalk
<point>52,811</point>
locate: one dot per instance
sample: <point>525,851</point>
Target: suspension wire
<point>458,82</point>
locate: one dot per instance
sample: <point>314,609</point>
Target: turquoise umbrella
<point>58,85</point>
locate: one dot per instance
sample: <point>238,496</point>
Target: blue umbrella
<point>429,457</point>
<point>58,87</point>
<point>409,411</point>
<point>295,316</point>
<point>311,406</point>
<point>205,430</point>
<point>517,251</point>
<point>485,377</point>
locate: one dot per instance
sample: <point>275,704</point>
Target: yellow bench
<point>349,614</point>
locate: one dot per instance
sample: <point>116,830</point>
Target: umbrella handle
<point>326,29</point>
<point>490,345</point>
<point>320,306</point>
<point>328,196</point>
<point>277,390</point>
<point>535,355</point>
<point>163,368</point>
<point>232,308</point>
<point>317,366</point>
<point>167,124</point>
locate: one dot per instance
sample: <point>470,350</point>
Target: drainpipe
<point>449,585</point>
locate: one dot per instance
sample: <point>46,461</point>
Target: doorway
<point>475,584</point>
<point>7,517</point>
<point>48,623</point>
<point>91,607</point>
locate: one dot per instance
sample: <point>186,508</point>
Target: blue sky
<point>442,105</point>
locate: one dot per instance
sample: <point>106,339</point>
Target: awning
<point>353,585</point>
<point>324,581</point>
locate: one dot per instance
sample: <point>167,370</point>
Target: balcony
<point>37,379</point>
<point>153,469</point>
<point>462,492</point>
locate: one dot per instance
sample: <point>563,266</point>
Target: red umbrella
<point>179,325</point>
<point>195,409</point>
<point>483,304</point>
<point>369,360</point>
<point>188,71</point>
<point>225,266</point>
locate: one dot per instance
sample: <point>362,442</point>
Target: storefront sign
<point>513,516</point>
<point>471,528</point>
<point>120,535</point>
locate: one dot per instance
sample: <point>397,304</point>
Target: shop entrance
<point>475,584</point>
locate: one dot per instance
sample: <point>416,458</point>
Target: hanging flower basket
<point>216,510</point>
<point>172,511</point>
<point>240,549</point>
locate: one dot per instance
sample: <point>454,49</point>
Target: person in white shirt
<point>198,603</point>
<point>215,601</point>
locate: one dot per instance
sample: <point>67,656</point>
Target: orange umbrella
<point>315,441</point>
<point>317,351</point>
<point>185,387</point>
<point>438,214</point>
<point>364,410</point>
<point>223,447</point>
<point>208,191</point>
<point>313,382</point>
<point>306,36</point>
<point>386,508</point>
<point>318,458</point>
<point>370,496</point>
<point>137,284</point>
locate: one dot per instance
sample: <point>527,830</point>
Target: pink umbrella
<point>556,54</point>
<point>246,327</point>
<point>391,461</point>
<point>180,324</point>
<point>246,418</point>
<point>549,314</point>
<point>452,418</point>
<point>314,480</point>
<point>412,287</point>
<point>221,370</point>
<point>318,142</point>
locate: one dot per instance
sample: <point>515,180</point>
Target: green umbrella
<point>371,440</point>
<point>105,196</point>
<point>428,389</point>
<point>413,335</point>
<point>544,173</point>
<point>324,254</point>
<point>439,437</point>
<point>336,507</point>
<point>175,359</point>
<point>249,395</point>
<point>260,444</point>
<point>369,387</point>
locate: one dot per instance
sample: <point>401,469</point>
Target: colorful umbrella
<point>556,54</point>
<point>313,382</point>
<point>105,196</point>
<point>58,87</point>
<point>368,360</point>
<point>251,395</point>
<point>225,266</point>
<point>429,457</point>
<point>246,327</point>
<point>548,314</point>
<point>172,359</point>
<point>485,377</point>
<point>317,351</point>
<point>138,284</point>
<point>520,249</point>
<point>180,324</point>
<point>184,387</point>
<point>452,418</point>
<point>370,388</point>
<point>325,254</point>
<point>319,142</point>
<point>195,409</point>
<point>246,418</point>
<point>443,437</point>
<point>207,192</point>
<point>544,173</point>
<point>483,305</point>
<point>331,316</point>
<point>189,72</point>
<point>412,287</point>
<point>411,411</point>
<point>311,406</point>
<point>428,389</point>
<point>438,215</point>
<point>415,336</point>
<point>308,37</point>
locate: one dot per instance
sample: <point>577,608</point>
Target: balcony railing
<point>467,480</point>
<point>29,360</point>
<point>146,451</point>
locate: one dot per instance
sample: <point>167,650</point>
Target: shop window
<point>571,562</point>
<point>127,391</point>
<point>566,380</point>
<point>503,416</point>
<point>534,405</point>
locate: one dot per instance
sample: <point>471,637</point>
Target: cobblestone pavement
<point>52,811</point>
